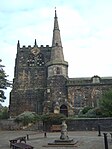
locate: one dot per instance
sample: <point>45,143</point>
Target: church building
<point>41,83</point>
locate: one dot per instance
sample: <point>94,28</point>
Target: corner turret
<point>35,44</point>
<point>18,45</point>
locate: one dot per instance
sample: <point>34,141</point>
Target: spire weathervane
<point>55,13</point>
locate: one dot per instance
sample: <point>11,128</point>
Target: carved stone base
<point>67,143</point>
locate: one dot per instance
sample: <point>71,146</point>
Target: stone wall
<point>84,95</point>
<point>90,124</point>
<point>9,125</point>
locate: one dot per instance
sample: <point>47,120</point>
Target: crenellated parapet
<point>32,55</point>
<point>24,47</point>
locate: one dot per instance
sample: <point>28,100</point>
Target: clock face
<point>35,50</point>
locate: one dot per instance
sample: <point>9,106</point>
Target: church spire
<point>57,49</point>
<point>56,41</point>
<point>57,65</point>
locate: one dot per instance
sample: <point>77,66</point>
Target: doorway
<point>64,110</point>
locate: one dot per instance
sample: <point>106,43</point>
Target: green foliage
<point>86,109</point>
<point>27,117</point>
<point>106,104</point>
<point>4,114</point>
<point>90,112</point>
<point>94,113</point>
<point>83,112</point>
<point>4,83</point>
<point>53,118</point>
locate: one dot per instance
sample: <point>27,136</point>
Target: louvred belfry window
<point>40,60</point>
<point>31,61</point>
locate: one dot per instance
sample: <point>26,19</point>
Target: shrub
<point>53,118</point>
<point>86,109</point>
<point>90,112</point>
<point>96,112</point>
<point>4,114</point>
<point>27,117</point>
<point>83,113</point>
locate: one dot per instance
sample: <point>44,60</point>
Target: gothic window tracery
<point>36,60</point>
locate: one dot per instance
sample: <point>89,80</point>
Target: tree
<point>4,113</point>
<point>106,104</point>
<point>4,83</point>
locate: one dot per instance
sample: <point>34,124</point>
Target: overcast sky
<point>85,26</point>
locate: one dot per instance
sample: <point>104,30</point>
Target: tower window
<point>40,59</point>
<point>56,44</point>
<point>58,70</point>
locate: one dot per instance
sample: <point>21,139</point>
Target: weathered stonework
<point>41,81</point>
<point>83,92</point>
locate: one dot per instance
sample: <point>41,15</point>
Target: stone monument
<point>64,139</point>
<point>64,134</point>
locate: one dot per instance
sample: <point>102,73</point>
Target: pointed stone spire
<point>18,45</point>
<point>57,65</point>
<point>57,49</point>
<point>56,41</point>
<point>35,44</point>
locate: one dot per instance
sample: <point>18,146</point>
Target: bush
<point>96,112</point>
<point>90,112</point>
<point>27,117</point>
<point>82,113</point>
<point>86,109</point>
<point>4,114</point>
<point>53,118</point>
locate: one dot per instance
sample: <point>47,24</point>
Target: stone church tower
<point>40,77</point>
<point>57,75</point>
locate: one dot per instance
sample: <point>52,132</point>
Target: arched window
<point>79,100</point>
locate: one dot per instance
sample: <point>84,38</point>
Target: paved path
<point>86,139</point>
